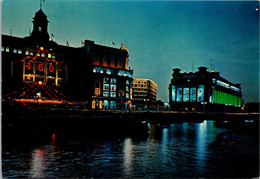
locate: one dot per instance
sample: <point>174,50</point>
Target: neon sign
<point>40,67</point>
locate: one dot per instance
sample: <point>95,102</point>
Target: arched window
<point>106,105</point>
<point>112,105</point>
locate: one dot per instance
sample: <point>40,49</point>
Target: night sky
<point>159,35</point>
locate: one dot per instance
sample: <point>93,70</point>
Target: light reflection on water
<point>176,150</point>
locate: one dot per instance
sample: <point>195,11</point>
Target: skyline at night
<point>160,36</point>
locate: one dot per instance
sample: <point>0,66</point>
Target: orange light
<point>41,48</point>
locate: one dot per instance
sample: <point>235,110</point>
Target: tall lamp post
<point>146,106</point>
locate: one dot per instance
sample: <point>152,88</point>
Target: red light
<point>51,68</point>
<point>40,67</point>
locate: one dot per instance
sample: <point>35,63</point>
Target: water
<point>176,150</point>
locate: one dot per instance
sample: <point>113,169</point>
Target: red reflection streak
<point>53,137</point>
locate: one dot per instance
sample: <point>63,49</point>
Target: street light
<point>204,103</point>
<point>146,103</point>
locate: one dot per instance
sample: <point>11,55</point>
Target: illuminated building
<point>94,74</point>
<point>144,93</point>
<point>203,91</point>
<point>111,76</point>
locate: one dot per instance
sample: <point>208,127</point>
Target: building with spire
<point>94,74</point>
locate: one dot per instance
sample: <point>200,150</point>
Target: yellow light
<point>41,48</point>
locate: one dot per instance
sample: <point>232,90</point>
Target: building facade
<point>144,93</point>
<point>111,77</point>
<point>203,91</point>
<point>96,75</point>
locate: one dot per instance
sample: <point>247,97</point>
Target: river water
<point>175,150</point>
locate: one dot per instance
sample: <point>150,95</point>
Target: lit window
<point>108,71</point>
<point>112,87</point>
<point>105,80</point>
<point>7,49</point>
<point>112,105</point>
<point>53,56</point>
<point>193,94</point>
<point>3,48</point>
<point>40,29</point>
<point>112,94</point>
<point>179,94</point>
<point>127,82</point>
<point>20,51</point>
<point>42,55</point>
<point>127,88</point>
<point>105,93</point>
<point>113,80</point>
<point>127,95</point>
<point>105,87</point>
<point>26,52</point>
<point>186,94</point>
<point>38,54</point>
<point>14,50</point>
<point>200,94</point>
<point>31,53</point>
<point>49,55</point>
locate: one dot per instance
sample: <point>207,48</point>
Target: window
<point>179,95</point>
<point>38,54</point>
<point>200,94</point>
<point>20,51</point>
<point>113,80</point>
<point>105,87</point>
<point>14,50</point>
<point>3,48</point>
<point>7,49</point>
<point>42,55</point>
<point>105,93</point>
<point>113,94</point>
<point>105,80</point>
<point>31,53</point>
<point>127,95</point>
<point>40,29</point>
<point>193,95</point>
<point>112,105</point>
<point>108,71</point>
<point>26,52</point>
<point>49,55</point>
<point>106,105</point>
<point>53,56</point>
<point>127,82</point>
<point>186,94</point>
<point>127,88</point>
<point>112,87</point>
<point>173,93</point>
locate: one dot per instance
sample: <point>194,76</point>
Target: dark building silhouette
<point>203,91</point>
<point>94,74</point>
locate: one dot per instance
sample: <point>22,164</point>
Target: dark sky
<point>159,35</point>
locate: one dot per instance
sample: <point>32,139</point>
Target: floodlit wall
<point>225,98</point>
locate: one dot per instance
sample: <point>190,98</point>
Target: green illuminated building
<point>203,91</point>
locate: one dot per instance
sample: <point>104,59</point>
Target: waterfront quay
<point>30,121</point>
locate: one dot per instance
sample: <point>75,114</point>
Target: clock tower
<point>40,28</point>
